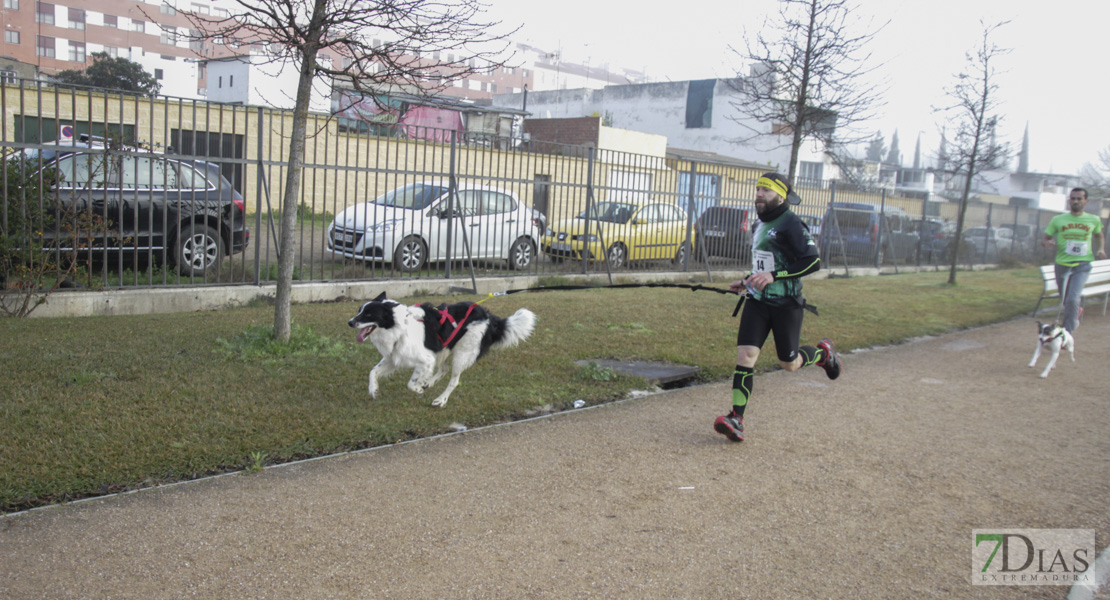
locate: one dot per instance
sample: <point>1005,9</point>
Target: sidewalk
<point>866,487</point>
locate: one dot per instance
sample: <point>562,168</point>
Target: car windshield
<point>416,196</point>
<point>612,212</point>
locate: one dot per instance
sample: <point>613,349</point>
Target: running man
<point>1077,235</point>
<point>782,253</point>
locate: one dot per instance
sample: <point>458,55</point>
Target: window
<point>9,77</point>
<point>811,172</point>
<point>670,212</point>
<point>12,4</point>
<point>111,51</point>
<point>469,203</point>
<point>11,37</point>
<point>221,82</point>
<point>76,18</point>
<point>77,51</point>
<point>158,74</point>
<point>167,9</point>
<point>111,21</point>
<point>137,25</point>
<point>699,104</point>
<point>144,173</point>
<point>497,203</point>
<point>191,179</point>
<point>44,13</point>
<point>44,46</point>
<point>169,36</point>
<point>201,9</point>
<point>77,170</point>
<point>230,81</point>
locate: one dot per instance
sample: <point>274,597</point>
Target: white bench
<point>1097,283</point>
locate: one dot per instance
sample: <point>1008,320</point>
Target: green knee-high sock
<point>811,355</point>
<point>741,389</point>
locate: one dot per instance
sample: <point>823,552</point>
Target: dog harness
<point>445,316</point>
<point>1058,335</point>
<point>456,326</point>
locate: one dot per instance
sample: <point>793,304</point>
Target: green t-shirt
<point>1073,237</point>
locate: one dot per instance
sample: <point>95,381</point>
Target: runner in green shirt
<point>1079,240</point>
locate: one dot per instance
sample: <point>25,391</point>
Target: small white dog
<point>424,337</point>
<point>1052,337</point>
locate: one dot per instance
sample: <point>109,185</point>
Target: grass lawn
<point>95,405</point>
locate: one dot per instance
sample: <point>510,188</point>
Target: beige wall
<point>342,169</point>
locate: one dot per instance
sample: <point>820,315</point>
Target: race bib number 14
<point>763,261</point>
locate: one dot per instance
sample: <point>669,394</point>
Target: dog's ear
<point>1040,326</point>
<point>380,297</point>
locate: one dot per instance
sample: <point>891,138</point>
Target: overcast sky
<point>1053,79</point>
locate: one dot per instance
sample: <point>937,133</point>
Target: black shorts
<point>759,319</point>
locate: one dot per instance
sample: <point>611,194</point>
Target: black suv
<point>724,231</point>
<point>149,202</point>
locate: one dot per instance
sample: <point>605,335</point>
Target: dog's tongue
<point>363,334</point>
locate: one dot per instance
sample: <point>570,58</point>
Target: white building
<point>695,115</point>
<point>257,79</point>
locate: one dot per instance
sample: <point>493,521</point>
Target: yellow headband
<point>775,186</point>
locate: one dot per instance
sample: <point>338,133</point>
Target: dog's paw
<point>440,402</point>
<point>417,388</point>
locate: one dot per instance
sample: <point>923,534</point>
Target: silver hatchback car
<point>419,223</point>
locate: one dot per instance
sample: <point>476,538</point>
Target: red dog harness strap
<point>445,316</point>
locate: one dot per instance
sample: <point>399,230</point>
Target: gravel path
<point>867,487</point>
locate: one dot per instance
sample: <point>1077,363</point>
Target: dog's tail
<point>518,327</point>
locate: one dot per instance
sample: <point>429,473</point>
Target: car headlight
<point>383,227</point>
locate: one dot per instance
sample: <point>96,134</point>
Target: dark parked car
<point>148,202</point>
<point>724,231</point>
<point>935,237</point>
<point>854,230</point>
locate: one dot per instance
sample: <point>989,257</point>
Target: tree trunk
<point>283,297</point>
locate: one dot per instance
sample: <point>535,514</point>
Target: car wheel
<point>198,250</point>
<point>699,254</point>
<point>521,254</point>
<point>618,255</point>
<point>411,255</point>
<point>680,256</point>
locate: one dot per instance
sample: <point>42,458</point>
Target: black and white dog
<point>1052,337</point>
<point>423,337</point>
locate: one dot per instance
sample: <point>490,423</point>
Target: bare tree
<point>809,76</point>
<point>1096,176</point>
<point>377,45</point>
<point>972,120</point>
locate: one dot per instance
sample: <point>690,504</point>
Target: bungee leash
<point>692,287</point>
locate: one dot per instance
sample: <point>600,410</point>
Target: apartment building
<point>63,34</point>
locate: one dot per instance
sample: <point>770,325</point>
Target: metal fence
<point>380,201</point>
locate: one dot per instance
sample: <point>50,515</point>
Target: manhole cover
<point>657,373</point>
